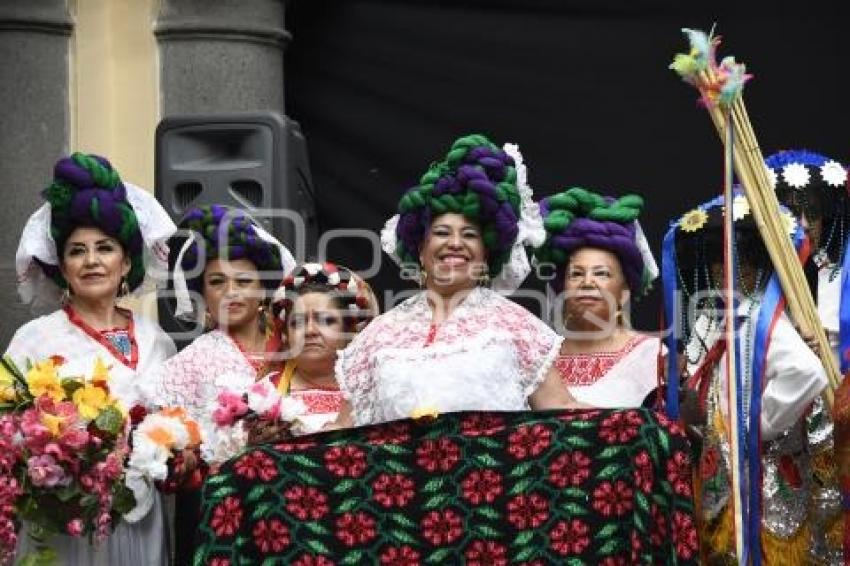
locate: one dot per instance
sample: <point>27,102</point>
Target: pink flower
<point>230,407</point>
<point>45,472</point>
<point>74,527</point>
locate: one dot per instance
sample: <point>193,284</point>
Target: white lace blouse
<point>490,354</point>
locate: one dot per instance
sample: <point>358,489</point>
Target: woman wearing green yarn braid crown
<point>457,345</point>
<point>83,249</point>
<point>600,259</point>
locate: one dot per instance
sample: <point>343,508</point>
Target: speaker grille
<point>185,194</point>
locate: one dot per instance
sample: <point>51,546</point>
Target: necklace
<point>256,361</point>
<point>99,336</point>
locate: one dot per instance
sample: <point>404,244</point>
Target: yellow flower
<point>100,374</point>
<point>90,401</point>
<point>693,220</point>
<point>52,422</point>
<point>42,379</point>
<point>423,412</point>
<point>7,385</point>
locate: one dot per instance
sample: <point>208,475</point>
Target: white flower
<point>143,493</point>
<point>771,177</point>
<point>833,173</point>
<point>221,444</point>
<point>148,458</point>
<point>740,207</point>
<point>789,221</point>
<point>175,434</point>
<point>263,396</point>
<point>796,175</point>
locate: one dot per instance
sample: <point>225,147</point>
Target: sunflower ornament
<point>693,220</point>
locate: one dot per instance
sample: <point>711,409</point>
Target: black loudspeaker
<point>255,161</point>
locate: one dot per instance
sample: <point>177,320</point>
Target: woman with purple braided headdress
<point>457,345</point>
<point>599,259</point>
<point>87,244</point>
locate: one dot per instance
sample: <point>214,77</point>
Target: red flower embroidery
<point>659,534</point>
<point>709,463</point>
<point>569,538</point>
<point>613,499</point>
<point>672,426</point>
<point>526,512</point>
<point>404,556</point>
<point>580,415</point>
<point>685,535</point>
<point>308,560</point>
<point>391,433</point>
<point>441,527</point>
<point>643,471</point>
<point>480,486</point>
<point>679,473</point>
<point>294,446</point>
<point>620,427</point>
<point>270,536</point>
<point>637,545</point>
<point>614,561</point>
<point>256,465</point>
<point>345,461</point>
<point>570,468</point>
<point>789,472</point>
<point>440,454</point>
<point>305,503</point>
<point>218,561</point>
<point>485,553</point>
<point>226,517</point>
<point>529,441</point>
<point>481,424</point>
<point>392,490</point>
<point>355,528</point>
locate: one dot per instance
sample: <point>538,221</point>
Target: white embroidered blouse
<point>490,354</point>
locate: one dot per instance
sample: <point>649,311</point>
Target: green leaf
<point>394,448</point>
<point>521,486</point>
<point>317,528</point>
<point>343,486</point>
<point>606,531</point>
<point>488,442</point>
<point>664,440</point>
<point>439,556</point>
<point>433,485</point>
<point>642,501</point>
<point>582,424</point>
<point>574,562</point>
<point>521,469</point>
<point>525,554</point>
<point>574,509</point>
<point>223,491</point>
<point>487,460</point>
<point>110,420</point>
<point>436,501</point>
<point>577,442</point>
<point>262,510</point>
<point>200,555</point>
<point>488,512</point>
<point>611,546</point>
<point>523,538</point>
<point>123,500</point>
<point>71,385</point>
<point>610,471</point>
<point>353,557</point>
<point>574,492</point>
<point>255,494</point>
<point>304,461</point>
<point>66,494</point>
<point>403,521</point>
<point>271,562</point>
<point>348,505</point>
<point>41,557</point>
<point>216,479</point>
<point>402,536</point>
<point>318,547</point>
<point>611,451</point>
<point>396,467</point>
<point>487,531</point>
<point>307,478</point>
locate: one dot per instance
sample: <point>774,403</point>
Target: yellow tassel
<point>824,468</point>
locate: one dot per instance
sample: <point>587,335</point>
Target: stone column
<point>222,56</point>
<point>35,126</point>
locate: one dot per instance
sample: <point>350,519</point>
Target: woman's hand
<point>552,394</point>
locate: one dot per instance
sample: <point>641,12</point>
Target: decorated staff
<point>720,87</point>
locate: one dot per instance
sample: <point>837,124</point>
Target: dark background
<point>381,89</point>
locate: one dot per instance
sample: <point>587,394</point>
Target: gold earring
<point>124,288</point>
<point>423,277</point>
<point>65,298</point>
<point>209,324</point>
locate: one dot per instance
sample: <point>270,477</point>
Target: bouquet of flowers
<point>63,441</point>
<point>226,435</point>
<point>158,441</point>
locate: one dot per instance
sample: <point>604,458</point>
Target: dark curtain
<point>382,88</point>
